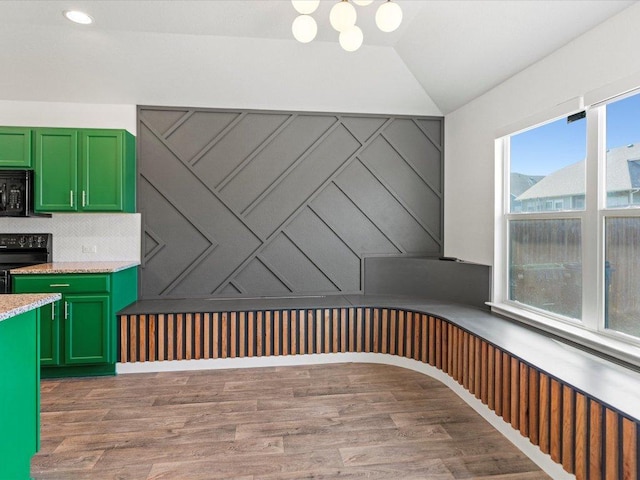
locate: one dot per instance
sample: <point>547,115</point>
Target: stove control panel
<point>25,240</point>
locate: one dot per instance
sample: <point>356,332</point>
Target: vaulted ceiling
<point>240,53</point>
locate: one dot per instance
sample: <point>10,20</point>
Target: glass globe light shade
<point>363,3</point>
<point>305,7</point>
<point>342,16</point>
<point>304,28</point>
<point>388,16</point>
<point>351,39</point>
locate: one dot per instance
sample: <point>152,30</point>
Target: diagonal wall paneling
<point>255,203</point>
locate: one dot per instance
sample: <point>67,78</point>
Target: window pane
<point>623,153</point>
<point>547,167</point>
<point>545,269</point>
<point>622,275</point>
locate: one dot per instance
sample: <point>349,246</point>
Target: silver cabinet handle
<point>71,197</point>
<point>84,198</point>
<point>58,284</point>
<point>66,310</point>
<point>53,312</point>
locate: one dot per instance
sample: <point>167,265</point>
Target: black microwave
<point>16,193</point>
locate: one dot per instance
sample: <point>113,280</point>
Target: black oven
<point>22,250</point>
<point>16,193</point>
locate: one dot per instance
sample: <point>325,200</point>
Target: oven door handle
<point>3,197</point>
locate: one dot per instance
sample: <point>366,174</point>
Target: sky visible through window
<point>548,148</point>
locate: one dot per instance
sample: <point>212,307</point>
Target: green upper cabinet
<point>102,170</point>
<point>56,170</point>
<point>15,147</point>
<point>84,170</point>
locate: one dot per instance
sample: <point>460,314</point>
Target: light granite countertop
<point>74,267</point>
<point>15,304</point>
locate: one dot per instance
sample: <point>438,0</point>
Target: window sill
<point>603,344</point>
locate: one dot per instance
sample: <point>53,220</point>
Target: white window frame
<point>590,331</point>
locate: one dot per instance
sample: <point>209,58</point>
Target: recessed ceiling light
<point>78,17</point>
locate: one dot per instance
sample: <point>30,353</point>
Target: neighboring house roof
<point>520,183</point>
<point>566,181</point>
<point>623,174</point>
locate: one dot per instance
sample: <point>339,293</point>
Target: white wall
<point>57,64</point>
<point>69,115</point>
<point>603,55</point>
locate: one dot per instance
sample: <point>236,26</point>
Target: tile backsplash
<point>85,236</point>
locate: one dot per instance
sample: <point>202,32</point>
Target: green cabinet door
<point>49,335</point>
<point>15,147</point>
<point>19,394</point>
<point>56,170</point>
<point>80,337</point>
<point>86,328</point>
<point>101,169</point>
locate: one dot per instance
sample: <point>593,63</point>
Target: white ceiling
<point>454,50</point>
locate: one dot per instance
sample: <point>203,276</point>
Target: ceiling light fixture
<point>77,16</point>
<point>304,28</point>
<point>305,7</point>
<point>343,16</point>
<point>388,16</point>
<point>351,39</point>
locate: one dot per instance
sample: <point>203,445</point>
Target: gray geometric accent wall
<point>257,203</point>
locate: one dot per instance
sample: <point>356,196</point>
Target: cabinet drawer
<point>60,283</point>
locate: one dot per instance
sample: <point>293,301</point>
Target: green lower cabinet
<point>86,337</point>
<point>19,395</point>
<point>79,334</point>
<point>50,334</point>
<point>75,331</point>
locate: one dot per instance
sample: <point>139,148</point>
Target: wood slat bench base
<point>585,436</point>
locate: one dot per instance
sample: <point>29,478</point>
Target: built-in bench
<point>580,409</point>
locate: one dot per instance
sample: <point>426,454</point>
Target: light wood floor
<point>348,421</point>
